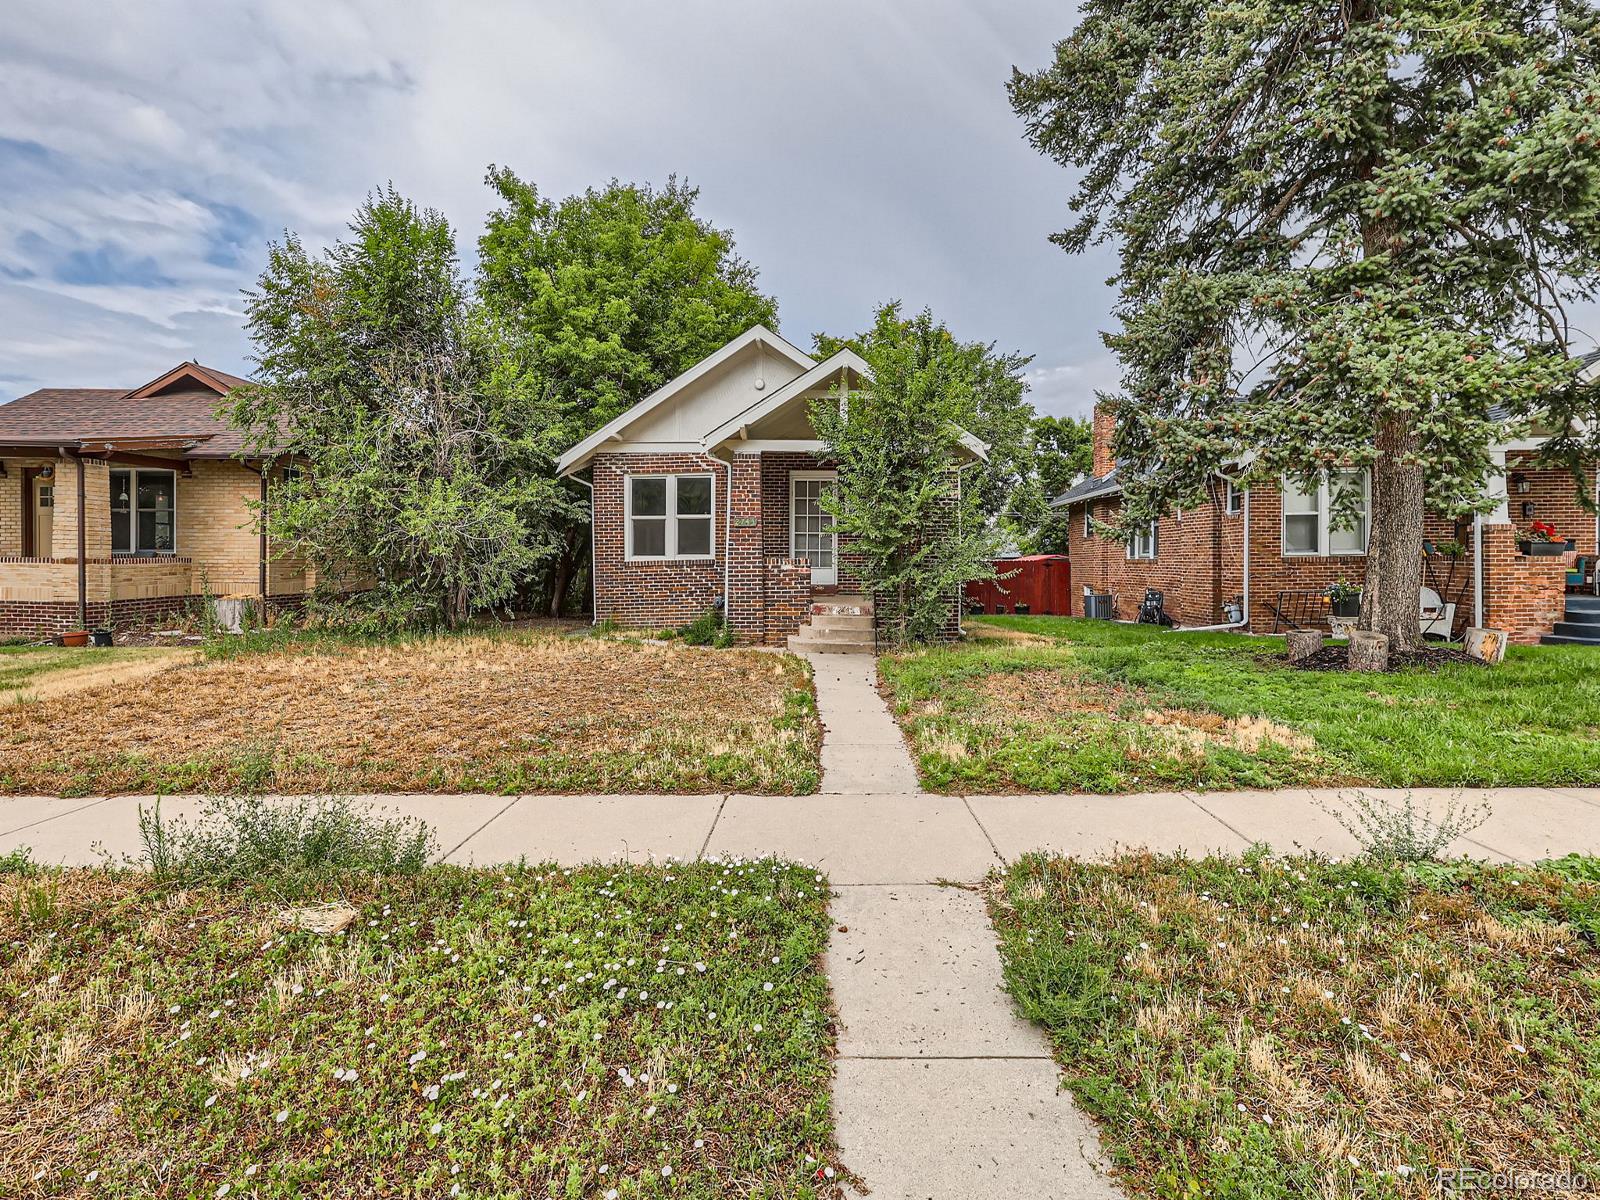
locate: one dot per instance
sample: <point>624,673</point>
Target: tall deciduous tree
<point>991,402</point>
<point>1063,452</point>
<point>427,455</point>
<point>918,533</point>
<point>607,296</point>
<point>1346,232</point>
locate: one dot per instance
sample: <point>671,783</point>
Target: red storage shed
<point>1036,584</point>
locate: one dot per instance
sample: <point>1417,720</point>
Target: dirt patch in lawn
<point>507,713</point>
<point>1197,730</point>
<point>1044,693</point>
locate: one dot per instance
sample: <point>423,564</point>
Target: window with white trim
<point>1143,542</point>
<point>144,512</point>
<point>1233,499</point>
<point>1310,526</point>
<point>1088,520</point>
<point>669,516</point>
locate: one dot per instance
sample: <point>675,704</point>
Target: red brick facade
<point>1199,558</point>
<point>767,591</point>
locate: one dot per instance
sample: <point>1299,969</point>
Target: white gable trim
<point>580,454</point>
<point>768,405</point>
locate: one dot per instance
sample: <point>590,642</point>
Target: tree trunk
<point>457,612</point>
<point>1389,602</point>
<point>566,567</point>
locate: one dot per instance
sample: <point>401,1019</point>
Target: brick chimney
<point>1104,426</point>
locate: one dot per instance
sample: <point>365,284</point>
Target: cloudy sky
<point>149,151</point>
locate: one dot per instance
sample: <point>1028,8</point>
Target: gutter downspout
<point>261,562</point>
<point>83,553</point>
<point>1244,619</point>
<point>594,578</point>
<point>1477,570</point>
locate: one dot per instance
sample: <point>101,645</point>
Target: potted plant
<point>1344,599</point>
<point>1540,540</point>
<point>75,637</point>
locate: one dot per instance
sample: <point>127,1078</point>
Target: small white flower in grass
<point>757,1028</point>
<point>91,1176</point>
<point>828,1171</point>
<point>436,1128</point>
<point>223,1190</point>
<point>1519,1047</point>
<point>665,1171</point>
<point>281,1116</point>
<point>604,1167</point>
<point>699,1143</point>
<point>251,1170</point>
<point>211,1099</point>
<point>1405,1056</point>
<point>611,1194</point>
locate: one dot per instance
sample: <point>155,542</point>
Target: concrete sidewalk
<point>859,838</point>
<point>942,1090</point>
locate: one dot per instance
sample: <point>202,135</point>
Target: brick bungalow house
<point>1259,560</point>
<point>705,495</point>
<point>120,506</point>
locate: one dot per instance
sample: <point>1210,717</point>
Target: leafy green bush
<point>706,630</point>
<point>242,839</point>
<point>18,862</point>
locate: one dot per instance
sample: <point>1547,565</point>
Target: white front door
<point>44,516</point>
<point>811,533</point>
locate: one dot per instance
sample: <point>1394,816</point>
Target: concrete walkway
<point>942,1091</point>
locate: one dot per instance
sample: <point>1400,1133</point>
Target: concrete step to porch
<point>1582,616</point>
<point>842,605</point>
<point>1560,639</point>
<point>828,622</point>
<point>1583,604</point>
<point>1587,631</point>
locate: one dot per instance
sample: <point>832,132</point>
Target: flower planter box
<point>1545,549</point>
<point>1346,608</point>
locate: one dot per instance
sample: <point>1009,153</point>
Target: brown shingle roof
<point>65,415</point>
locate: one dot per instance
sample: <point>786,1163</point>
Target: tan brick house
<point>121,506</point>
<point>1261,560</point>
<point>705,496</point>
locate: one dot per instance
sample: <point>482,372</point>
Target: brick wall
<point>1551,497</point>
<point>787,598</point>
<point>1102,427</point>
<point>655,594</point>
<point>1524,596</point>
<point>1199,562</point>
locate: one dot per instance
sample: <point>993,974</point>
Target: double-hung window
<point>669,516</point>
<point>1310,524</point>
<point>144,512</point>
<point>1088,520</point>
<point>1233,499</point>
<point>1143,542</point>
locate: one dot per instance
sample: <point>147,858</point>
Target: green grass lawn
<point>631,1032</point>
<point>1254,1029</point>
<point>1102,707</point>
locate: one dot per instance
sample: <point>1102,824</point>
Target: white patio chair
<point>1438,618</point>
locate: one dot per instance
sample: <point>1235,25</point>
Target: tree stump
<point>1303,643</point>
<point>1486,645</point>
<point>1369,651</point>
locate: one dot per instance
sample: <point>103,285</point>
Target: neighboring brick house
<point>1199,560</point>
<point>165,511</point>
<point>669,545</point>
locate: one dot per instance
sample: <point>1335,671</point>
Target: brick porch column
<point>746,600</point>
<point>1521,595</point>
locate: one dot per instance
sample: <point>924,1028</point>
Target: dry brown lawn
<point>467,713</point>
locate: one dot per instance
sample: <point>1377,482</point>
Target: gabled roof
<point>840,360</point>
<point>178,406</point>
<point>580,454</point>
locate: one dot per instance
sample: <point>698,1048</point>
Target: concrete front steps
<point>837,625</point>
<point>1581,626</point>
